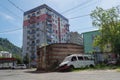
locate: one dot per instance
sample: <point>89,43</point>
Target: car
<point>19,66</point>
<point>112,62</point>
<point>76,61</point>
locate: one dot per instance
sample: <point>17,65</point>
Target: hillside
<point>6,45</point>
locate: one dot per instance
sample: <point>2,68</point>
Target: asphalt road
<point>82,75</point>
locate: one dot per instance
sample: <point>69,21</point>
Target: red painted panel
<point>7,59</point>
<point>35,19</point>
<point>63,30</point>
<point>41,18</point>
<point>26,23</point>
<point>54,26</point>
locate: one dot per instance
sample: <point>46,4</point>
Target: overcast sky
<point>11,18</point>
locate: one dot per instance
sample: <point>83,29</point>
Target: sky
<point>11,18</point>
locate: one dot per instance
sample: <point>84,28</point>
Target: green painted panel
<point>88,38</point>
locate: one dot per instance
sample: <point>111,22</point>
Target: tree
<point>26,59</point>
<point>18,58</point>
<point>108,22</point>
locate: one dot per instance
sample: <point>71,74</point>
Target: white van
<point>19,66</point>
<point>77,61</point>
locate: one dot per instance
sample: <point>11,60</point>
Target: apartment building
<point>76,38</point>
<point>42,26</point>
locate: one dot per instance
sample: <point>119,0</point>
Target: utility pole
<point>27,59</point>
<point>44,58</point>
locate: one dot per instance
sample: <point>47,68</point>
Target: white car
<point>19,66</point>
<point>77,61</point>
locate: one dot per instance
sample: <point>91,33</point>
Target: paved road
<point>82,75</point>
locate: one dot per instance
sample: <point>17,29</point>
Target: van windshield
<point>66,59</point>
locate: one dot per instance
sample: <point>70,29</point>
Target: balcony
<point>49,42</point>
<point>49,31</point>
<point>49,25</point>
<point>48,14</point>
<point>32,44</point>
<point>49,19</point>
<point>33,32</point>
<point>49,37</point>
<point>32,20</point>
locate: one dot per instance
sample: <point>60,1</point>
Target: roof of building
<point>90,31</point>
<point>7,59</point>
<point>4,52</point>
<point>62,44</point>
<point>44,6</point>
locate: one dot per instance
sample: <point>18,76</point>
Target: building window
<point>28,16</point>
<point>33,14</point>
<point>28,32</point>
<point>38,35</point>
<point>53,30</point>
<point>38,23</point>
<point>28,43</point>
<point>56,31</point>
<point>28,37</point>
<point>55,21</point>
<point>53,41</point>
<point>38,12</point>
<point>33,41</point>
<point>55,16</point>
<point>27,48</point>
<point>37,29</point>
<point>37,41</point>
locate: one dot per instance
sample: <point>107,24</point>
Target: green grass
<point>118,69</point>
<point>99,67</point>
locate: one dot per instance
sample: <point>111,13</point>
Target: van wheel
<point>91,66</point>
<point>71,67</point>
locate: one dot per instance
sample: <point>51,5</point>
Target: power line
<point>9,10</point>
<point>79,16</point>
<point>86,6</point>
<point>42,30</point>
<point>16,6</point>
<point>76,6</point>
<point>7,31</point>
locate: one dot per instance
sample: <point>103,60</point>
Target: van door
<point>80,61</point>
<point>74,62</point>
<point>87,61</point>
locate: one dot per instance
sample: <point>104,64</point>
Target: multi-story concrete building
<point>76,38</point>
<point>43,25</point>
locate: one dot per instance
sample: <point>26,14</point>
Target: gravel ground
<point>82,75</point>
